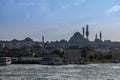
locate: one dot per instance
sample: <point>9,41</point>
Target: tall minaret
<point>83,31</point>
<point>43,39</point>
<point>96,36</point>
<point>87,31</point>
<point>43,45</point>
<point>100,35</point>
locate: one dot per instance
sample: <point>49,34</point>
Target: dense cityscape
<point>75,51</point>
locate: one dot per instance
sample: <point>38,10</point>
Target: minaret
<point>87,32</point>
<point>43,45</point>
<point>100,35</point>
<point>83,31</point>
<point>96,36</point>
<point>43,39</point>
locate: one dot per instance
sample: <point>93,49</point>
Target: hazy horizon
<point>58,19</point>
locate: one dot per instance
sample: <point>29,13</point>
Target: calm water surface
<point>64,72</point>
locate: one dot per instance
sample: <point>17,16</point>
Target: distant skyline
<point>58,19</point>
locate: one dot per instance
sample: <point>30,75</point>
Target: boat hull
<point>5,60</point>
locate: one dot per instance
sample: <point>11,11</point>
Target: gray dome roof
<point>77,38</point>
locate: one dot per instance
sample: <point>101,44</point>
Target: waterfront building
<point>102,50</point>
<point>76,54</point>
<point>72,53</point>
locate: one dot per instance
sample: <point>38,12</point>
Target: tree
<point>14,40</point>
<point>90,57</point>
<point>63,41</point>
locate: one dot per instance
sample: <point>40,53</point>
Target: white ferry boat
<point>57,61</point>
<point>51,61</point>
<point>5,60</point>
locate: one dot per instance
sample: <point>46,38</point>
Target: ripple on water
<point>64,72</point>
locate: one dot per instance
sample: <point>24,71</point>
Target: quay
<point>43,60</point>
<point>25,60</point>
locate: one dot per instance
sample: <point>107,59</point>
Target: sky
<point>58,19</point>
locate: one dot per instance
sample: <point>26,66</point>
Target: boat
<point>5,60</point>
<point>56,61</point>
<point>83,61</point>
<point>51,61</point>
<point>66,61</point>
<point>45,61</point>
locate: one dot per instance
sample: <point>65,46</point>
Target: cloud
<point>72,3</point>
<point>113,9</point>
<point>78,2</point>
<point>26,4</point>
<point>64,7</point>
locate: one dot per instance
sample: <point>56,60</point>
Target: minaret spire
<point>87,31</point>
<point>100,35</point>
<point>96,36</point>
<point>42,38</point>
<point>43,45</point>
<point>83,31</point>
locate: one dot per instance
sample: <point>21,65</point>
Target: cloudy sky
<point>58,19</point>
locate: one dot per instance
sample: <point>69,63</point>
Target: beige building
<point>73,55</point>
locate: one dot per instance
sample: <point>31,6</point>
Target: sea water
<point>61,72</point>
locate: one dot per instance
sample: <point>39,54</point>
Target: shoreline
<point>25,60</point>
<point>76,63</point>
